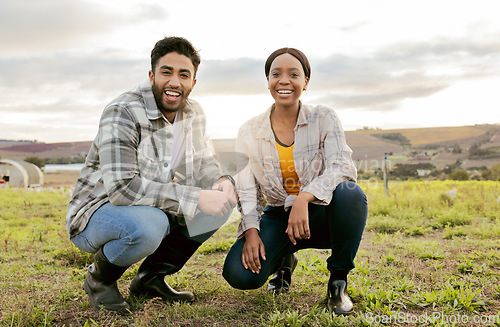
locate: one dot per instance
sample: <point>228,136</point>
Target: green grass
<point>423,253</point>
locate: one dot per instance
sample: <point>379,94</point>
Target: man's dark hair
<point>294,52</point>
<point>174,44</point>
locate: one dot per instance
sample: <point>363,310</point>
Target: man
<point>151,187</point>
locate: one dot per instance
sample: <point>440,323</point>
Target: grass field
<point>428,258</point>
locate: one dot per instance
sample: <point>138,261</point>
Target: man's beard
<point>158,94</point>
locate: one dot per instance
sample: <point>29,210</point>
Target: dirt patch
<point>61,178</point>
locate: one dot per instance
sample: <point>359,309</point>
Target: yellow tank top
<point>291,181</point>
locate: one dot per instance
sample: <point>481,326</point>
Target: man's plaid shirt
<point>129,161</point>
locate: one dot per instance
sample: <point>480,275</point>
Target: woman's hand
<point>298,221</point>
<point>252,251</point>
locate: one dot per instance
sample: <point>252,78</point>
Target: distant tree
<point>36,161</point>
<point>410,170</point>
<point>449,168</point>
<point>476,152</point>
<point>456,149</point>
<point>459,175</point>
<point>493,174</point>
<point>394,137</point>
<point>80,158</point>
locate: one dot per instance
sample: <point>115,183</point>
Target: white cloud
<point>54,25</point>
<point>375,61</point>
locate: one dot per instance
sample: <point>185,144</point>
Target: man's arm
<point>119,140</point>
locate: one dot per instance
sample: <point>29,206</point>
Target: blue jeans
<point>127,234</point>
<point>338,226</point>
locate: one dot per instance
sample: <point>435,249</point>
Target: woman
<point>297,157</point>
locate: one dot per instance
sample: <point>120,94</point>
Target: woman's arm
<point>338,164</point>
<point>249,193</point>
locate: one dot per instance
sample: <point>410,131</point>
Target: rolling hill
<point>368,145</point>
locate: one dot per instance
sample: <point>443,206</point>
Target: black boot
<point>101,287</point>
<point>173,252</point>
<point>281,282</point>
<point>338,300</point>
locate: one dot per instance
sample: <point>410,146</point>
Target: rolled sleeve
<point>337,161</point>
<point>248,191</point>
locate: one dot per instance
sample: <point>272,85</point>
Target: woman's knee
<point>237,276</point>
<point>240,278</point>
<point>349,203</point>
<point>349,193</point>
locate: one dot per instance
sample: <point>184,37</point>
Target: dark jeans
<point>338,226</point>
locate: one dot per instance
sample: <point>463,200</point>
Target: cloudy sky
<point>378,63</point>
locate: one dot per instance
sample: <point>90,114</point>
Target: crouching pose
<point>296,155</point>
<point>151,187</point>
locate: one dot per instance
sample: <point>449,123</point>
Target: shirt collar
<point>302,118</point>
<point>265,130</point>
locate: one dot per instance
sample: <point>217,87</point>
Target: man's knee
<point>148,233</point>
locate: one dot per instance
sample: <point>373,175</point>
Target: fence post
<point>386,183</point>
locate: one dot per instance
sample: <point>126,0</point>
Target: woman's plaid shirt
<point>321,155</point>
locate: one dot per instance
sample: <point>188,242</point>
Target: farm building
<point>18,173</point>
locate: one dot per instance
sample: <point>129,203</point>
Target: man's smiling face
<point>172,81</point>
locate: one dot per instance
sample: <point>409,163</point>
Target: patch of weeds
<point>130,272</point>
<point>31,314</point>
<point>450,233</point>
<point>466,267</point>
<point>445,199</point>
<point>74,256</point>
<point>486,230</point>
<point>436,264</point>
<point>457,298</point>
<point>311,263</point>
<point>454,218</point>
<point>294,318</point>
<point>322,317</point>
<point>390,260</point>
<point>404,284</point>
<point>432,254</point>
<point>384,238</point>
<point>417,231</point>
<point>496,291</point>
<point>379,299</point>
<point>386,225</point>
<point>213,247</point>
<point>315,317</point>
<point>19,222</point>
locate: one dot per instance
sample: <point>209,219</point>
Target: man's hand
<point>215,203</point>
<point>225,185</point>
<point>252,251</point>
<point>298,221</point>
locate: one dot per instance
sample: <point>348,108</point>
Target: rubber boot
<point>283,279</point>
<point>101,285</point>
<point>173,252</point>
<point>338,300</point>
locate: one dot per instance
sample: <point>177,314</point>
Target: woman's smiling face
<point>286,80</point>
